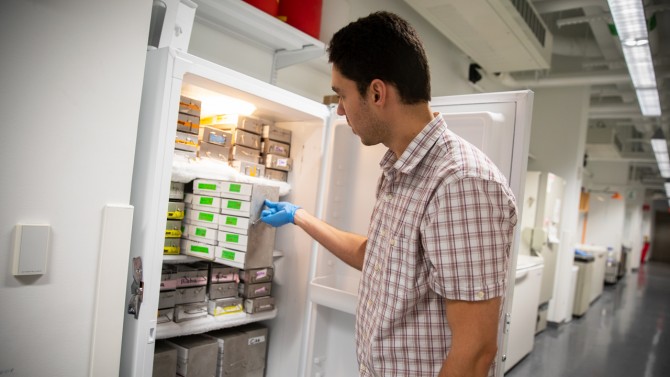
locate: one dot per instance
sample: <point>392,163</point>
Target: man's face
<point>359,111</point>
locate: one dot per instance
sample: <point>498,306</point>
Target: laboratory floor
<point>623,334</point>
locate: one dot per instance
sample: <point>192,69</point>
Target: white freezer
<point>333,177</point>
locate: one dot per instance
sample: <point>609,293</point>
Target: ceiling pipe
<point>576,47</point>
<point>567,79</point>
<point>558,6</point>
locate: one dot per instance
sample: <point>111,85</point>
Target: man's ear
<point>378,89</point>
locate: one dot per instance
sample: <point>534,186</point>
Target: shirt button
<point>369,302</point>
<point>480,295</point>
<point>388,197</point>
<point>392,242</point>
<point>377,267</point>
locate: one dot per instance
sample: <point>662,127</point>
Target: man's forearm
<point>349,247</point>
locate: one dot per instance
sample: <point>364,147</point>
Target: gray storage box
<point>173,229</point>
<point>172,246</point>
<point>276,175</point>
<point>272,161</point>
<point>190,295</point>
<point>166,299</point>
<point>196,355</point>
<point>192,275</point>
<point>222,290</point>
<point>187,312</point>
<point>246,139</point>
<point>259,304</point>
<point>256,347</point>
<point>188,123</point>
<point>257,275</point>
<point>223,274</point>
<point>168,278</point>
<point>251,169</point>
<point>165,315</point>
<point>175,210</point>
<point>214,151</point>
<point>176,191</point>
<point>203,202</point>
<point>189,106</point>
<point>165,359</point>
<point>255,290</point>
<point>232,355</point>
<point>224,306</point>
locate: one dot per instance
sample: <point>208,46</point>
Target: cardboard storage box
<point>276,175</point>
<point>234,121</point>
<point>201,234</point>
<point>251,169</point>
<point>233,241</point>
<point>223,306</point>
<point>165,359</point>
<point>189,106</point>
<point>272,132</point>
<point>242,153</point>
<point>235,207</point>
<point>186,141</point>
<point>246,139</point>
<point>259,304</point>
<point>257,275</point>
<point>216,136</point>
<point>203,202</point>
<point>196,355</point>
<point>214,151</point>
<point>188,123</point>
<point>202,218</point>
<point>278,162</point>
<point>276,147</point>
<point>188,312</point>
<point>197,249</point>
<point>186,154</point>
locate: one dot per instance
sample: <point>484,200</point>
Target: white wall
<point>71,76</point>
<point>558,138</point>
<point>605,221</point>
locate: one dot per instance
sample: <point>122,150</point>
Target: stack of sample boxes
<point>245,140</point>
<point>256,288</point>
<point>242,351</point>
<point>221,223</point>
<point>190,294</point>
<point>276,148</point>
<point>175,215</point>
<point>188,127</point>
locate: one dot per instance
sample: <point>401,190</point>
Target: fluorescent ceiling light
<point>631,26</point>
<point>660,147</point>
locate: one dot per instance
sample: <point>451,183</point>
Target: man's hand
<point>278,213</point>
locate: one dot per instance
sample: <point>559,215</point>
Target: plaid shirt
<point>442,227</point>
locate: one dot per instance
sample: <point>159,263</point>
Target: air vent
<point>532,20</point>
<point>499,35</point>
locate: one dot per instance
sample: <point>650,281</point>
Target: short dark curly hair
<point>386,47</point>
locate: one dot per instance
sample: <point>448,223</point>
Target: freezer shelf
<point>337,292</point>
<point>179,259</point>
<point>210,323</point>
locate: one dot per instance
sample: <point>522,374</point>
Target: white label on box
<point>256,340</point>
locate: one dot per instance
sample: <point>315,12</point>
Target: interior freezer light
<point>220,104</point>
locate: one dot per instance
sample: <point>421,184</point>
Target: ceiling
<point>618,140</point>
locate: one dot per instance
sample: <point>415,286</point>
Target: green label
<point>199,249</point>
<point>202,232</point>
<point>204,216</point>
<point>225,254</point>
<point>207,186</point>
<point>231,221</point>
<point>233,238</point>
<point>234,187</point>
<point>234,204</point>
<point>205,200</point>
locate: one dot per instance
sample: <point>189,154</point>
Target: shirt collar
<point>416,150</point>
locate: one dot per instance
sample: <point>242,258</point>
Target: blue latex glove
<point>278,213</point>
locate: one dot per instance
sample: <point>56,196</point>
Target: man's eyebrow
<point>335,89</point>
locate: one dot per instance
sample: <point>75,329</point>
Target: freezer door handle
<point>136,289</point>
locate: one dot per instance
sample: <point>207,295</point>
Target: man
<point>435,260</point>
